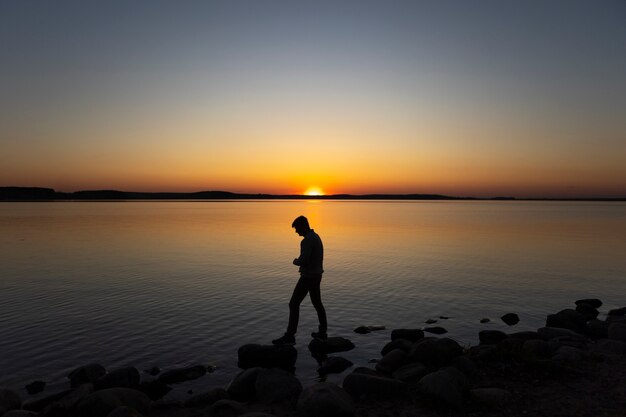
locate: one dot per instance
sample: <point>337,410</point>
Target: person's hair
<point>301,221</point>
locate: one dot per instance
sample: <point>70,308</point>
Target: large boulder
<point>334,365</point>
<point>101,403</point>
<point>617,331</point>
<point>593,302</point>
<point>510,319</point>
<point>120,378</point>
<point>434,352</point>
<point>175,376</point>
<point>447,386</point>
<point>277,385</point>
<point>587,310</point>
<point>491,337</point>
<point>412,335</point>
<point>85,374</point>
<point>392,361</point>
<point>207,398</point>
<point>267,356</point>
<point>567,319</point>
<point>325,400</point>
<point>242,387</point>
<point>367,386</point>
<point>9,400</point>
<point>330,345</point>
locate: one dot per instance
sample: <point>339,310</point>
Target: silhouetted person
<point>310,261</point>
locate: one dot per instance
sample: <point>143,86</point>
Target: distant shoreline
<point>16,194</point>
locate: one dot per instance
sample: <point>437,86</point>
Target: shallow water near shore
<point>177,283</point>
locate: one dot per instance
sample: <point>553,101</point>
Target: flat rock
<point>267,356</point>
<point>593,302</point>
<point>334,365</point>
<point>412,335</point>
<point>325,400</point>
<point>174,376</point>
<point>510,319</point>
<point>491,337</point>
<point>435,330</point>
<point>366,386</point>
<point>330,345</point>
<point>277,385</point>
<point>85,374</point>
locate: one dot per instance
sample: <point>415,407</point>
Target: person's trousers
<point>309,284</point>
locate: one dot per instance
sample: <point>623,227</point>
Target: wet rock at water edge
<point>267,356</point>
<point>175,376</point>
<point>435,330</point>
<point>362,330</point>
<point>35,387</point>
<point>330,345</point>
<point>412,335</point>
<point>325,400</point>
<point>567,319</point>
<point>334,365</point>
<point>587,310</point>
<point>491,337</point>
<point>127,377</point>
<point>593,302</point>
<point>444,317</point>
<point>430,321</point>
<point>485,320</point>
<point>87,373</point>
<point>510,319</point>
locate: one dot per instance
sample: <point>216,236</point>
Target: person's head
<point>301,224</point>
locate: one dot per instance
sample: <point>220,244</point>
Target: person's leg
<point>299,292</point>
<point>316,298</point>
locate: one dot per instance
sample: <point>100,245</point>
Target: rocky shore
<point>574,366</point>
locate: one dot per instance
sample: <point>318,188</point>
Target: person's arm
<point>305,253</point>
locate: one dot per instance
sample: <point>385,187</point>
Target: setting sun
<point>313,191</point>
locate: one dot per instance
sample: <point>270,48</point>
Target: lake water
<point>178,283</point>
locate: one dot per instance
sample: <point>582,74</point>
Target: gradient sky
<point>468,98</point>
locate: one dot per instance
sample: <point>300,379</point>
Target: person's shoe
<point>319,335</point>
<point>286,339</point>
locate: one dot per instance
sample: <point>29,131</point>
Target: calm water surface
<point>179,283</point>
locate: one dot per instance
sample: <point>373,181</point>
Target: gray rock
<point>610,347</point>
<point>491,337</point>
<point>85,374</point>
<point>9,400</point>
<point>267,356</point>
<point>536,349</point>
<point>392,361</point>
<point>618,312</point>
<point>567,319</point>
<point>403,344</point>
<point>207,398</point>
<point>435,330</point>
<point>493,397</point>
<point>325,400</point>
<point>277,385</point>
<point>410,372</point>
<point>242,387</point>
<point>124,411</point>
<point>447,386</point>
<point>597,329</point>
<point>617,331</point>
<point>412,335</point>
<point>434,352</point>
<point>593,302</point>
<point>366,386</point>
<point>510,318</point>
<point>175,376</point>
<point>101,403</point>
<point>330,345</point>
<point>334,365</point>
<point>120,378</point>
<point>227,408</point>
